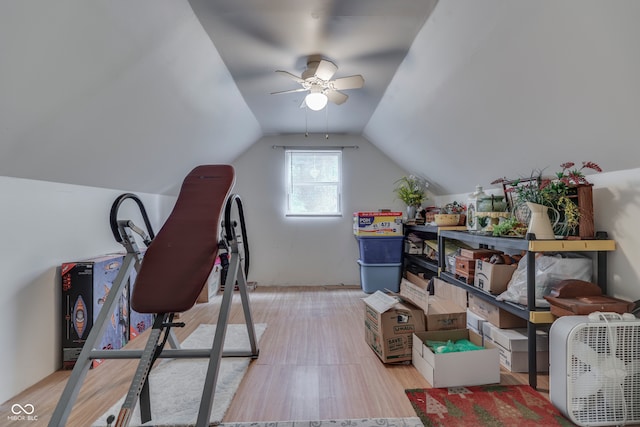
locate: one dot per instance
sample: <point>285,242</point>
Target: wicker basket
<point>446,219</point>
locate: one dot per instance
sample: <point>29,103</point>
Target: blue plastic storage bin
<point>380,277</point>
<point>381,249</point>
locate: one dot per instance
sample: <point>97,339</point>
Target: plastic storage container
<point>380,277</point>
<point>381,250</point>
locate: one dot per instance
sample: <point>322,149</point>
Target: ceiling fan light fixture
<point>316,100</point>
<point>317,79</point>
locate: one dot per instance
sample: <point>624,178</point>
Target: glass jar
<point>492,204</point>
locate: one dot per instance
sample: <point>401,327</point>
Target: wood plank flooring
<point>313,365</point>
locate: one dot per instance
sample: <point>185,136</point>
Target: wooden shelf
<point>533,245</point>
<point>571,245</point>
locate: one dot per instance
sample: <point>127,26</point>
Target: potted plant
<point>412,191</point>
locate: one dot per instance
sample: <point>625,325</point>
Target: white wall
<point>616,203</point>
<point>616,200</point>
<point>309,251</point>
<point>44,224</point>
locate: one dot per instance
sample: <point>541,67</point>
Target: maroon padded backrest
<point>178,262</point>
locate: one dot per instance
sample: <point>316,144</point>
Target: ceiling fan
<point>317,80</point>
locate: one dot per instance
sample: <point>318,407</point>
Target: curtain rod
<point>319,147</point>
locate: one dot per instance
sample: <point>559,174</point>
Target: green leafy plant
<point>552,192</point>
<point>509,227</point>
<point>411,190</point>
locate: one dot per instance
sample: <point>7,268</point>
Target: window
<point>314,182</point>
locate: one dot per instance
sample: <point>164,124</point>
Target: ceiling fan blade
<point>326,70</point>
<point>351,82</point>
<point>336,97</point>
<point>289,91</point>
<point>291,76</point>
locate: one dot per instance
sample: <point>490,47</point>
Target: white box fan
<point>594,369</point>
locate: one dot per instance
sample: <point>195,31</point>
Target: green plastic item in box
<point>440,347</point>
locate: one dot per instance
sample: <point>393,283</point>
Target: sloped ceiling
<point>498,88</point>
<point>116,94</point>
<point>132,95</point>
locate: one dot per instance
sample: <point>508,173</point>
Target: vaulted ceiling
<point>131,95</point>
<point>362,37</point>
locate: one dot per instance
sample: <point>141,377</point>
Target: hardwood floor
<point>314,364</point>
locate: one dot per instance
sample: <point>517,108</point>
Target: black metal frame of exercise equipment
<point>237,265</point>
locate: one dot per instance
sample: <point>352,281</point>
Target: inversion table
<point>170,276</point>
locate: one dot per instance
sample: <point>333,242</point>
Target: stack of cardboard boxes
<point>466,262</point>
<point>400,330</point>
<point>398,327</point>
<point>499,328</point>
<point>390,320</point>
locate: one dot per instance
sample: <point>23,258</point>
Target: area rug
<point>491,405</point>
<point>176,385</point>
<point>360,422</point>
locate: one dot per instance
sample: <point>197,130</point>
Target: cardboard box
<point>475,322</point>
<point>444,314</point>
<point>377,223</point>
<point>451,292</point>
<point>213,283</point>
<point>440,313</point>
<point>513,347</point>
<point>414,293</point>
<point>492,278</point>
<point>85,287</point>
<point>455,369</point>
<point>494,314</point>
<point>478,253</point>
<point>411,247</point>
<point>389,326</point>
<point>465,268</point>
<point>515,339</point>
<point>138,322</point>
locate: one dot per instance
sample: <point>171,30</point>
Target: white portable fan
<point>594,372</point>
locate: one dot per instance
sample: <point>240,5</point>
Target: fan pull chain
<point>306,122</point>
<point>326,116</point>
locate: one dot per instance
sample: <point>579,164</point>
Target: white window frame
<point>290,184</point>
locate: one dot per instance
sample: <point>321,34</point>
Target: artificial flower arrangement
<point>454,208</point>
<point>411,190</point>
<point>553,192</point>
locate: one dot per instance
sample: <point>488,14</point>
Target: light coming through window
<point>314,181</point>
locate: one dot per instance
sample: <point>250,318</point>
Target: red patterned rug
<point>490,405</point>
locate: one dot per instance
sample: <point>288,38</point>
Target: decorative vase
<point>539,222</point>
<point>473,223</point>
<point>411,212</point>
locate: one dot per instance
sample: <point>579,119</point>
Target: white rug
<point>176,385</point>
